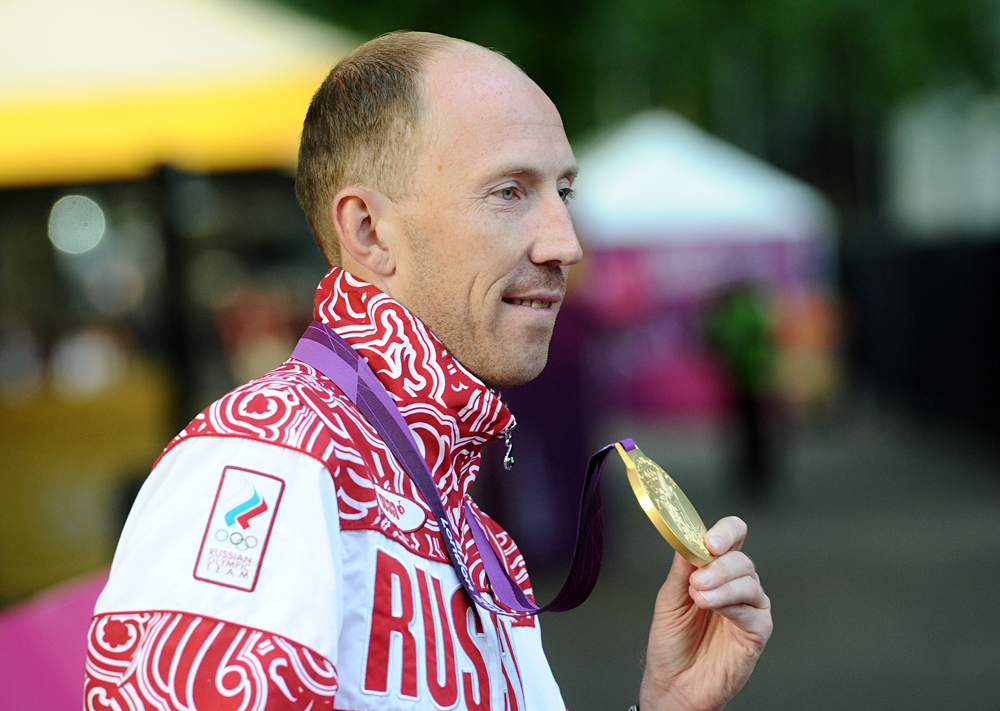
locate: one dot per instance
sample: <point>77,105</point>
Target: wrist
<point>654,697</point>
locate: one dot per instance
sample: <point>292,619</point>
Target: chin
<point>503,375</point>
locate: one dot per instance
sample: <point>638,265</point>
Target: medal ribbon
<point>327,352</point>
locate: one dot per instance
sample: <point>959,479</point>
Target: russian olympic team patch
<point>239,526</point>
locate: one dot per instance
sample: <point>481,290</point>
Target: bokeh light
<point>76,224</point>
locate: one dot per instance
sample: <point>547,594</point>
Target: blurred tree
<point>802,83</point>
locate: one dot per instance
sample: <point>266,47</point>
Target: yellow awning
<point>106,89</point>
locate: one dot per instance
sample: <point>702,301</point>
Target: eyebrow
<point>569,171</point>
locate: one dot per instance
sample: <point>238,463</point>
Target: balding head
<point>364,124</point>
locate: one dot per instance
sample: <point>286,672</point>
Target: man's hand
<point>709,628</point>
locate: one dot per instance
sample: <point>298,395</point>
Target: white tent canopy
<point>659,179</point>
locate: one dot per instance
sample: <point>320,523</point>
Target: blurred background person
<point>736,327</point>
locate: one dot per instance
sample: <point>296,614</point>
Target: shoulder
<point>292,406</point>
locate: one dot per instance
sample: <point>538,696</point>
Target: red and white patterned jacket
<point>278,557</point>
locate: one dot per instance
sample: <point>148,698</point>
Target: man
<point>279,557</point>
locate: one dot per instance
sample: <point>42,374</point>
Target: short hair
<point>361,126</point>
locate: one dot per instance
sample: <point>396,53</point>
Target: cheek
<point>464,264</point>
<point>488,267</point>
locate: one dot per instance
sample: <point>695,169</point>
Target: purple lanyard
<point>331,355</point>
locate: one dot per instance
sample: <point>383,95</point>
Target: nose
<point>555,243</point>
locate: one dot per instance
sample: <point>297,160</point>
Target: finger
<point>728,534</point>
<point>754,620</point>
<point>745,590</point>
<point>730,566</point>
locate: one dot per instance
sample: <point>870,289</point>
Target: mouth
<point>530,302</point>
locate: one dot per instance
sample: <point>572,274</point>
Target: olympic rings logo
<point>236,539</point>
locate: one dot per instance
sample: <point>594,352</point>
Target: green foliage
<point>804,83</point>
<point>874,51</point>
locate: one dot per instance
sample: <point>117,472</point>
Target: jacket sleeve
<point>226,587</point>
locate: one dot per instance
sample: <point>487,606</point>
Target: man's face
<point>489,239</point>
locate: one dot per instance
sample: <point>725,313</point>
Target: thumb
<point>674,592</point>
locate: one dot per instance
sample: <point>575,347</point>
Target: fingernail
<point>709,596</point>
<point>702,577</point>
<point>716,543</point>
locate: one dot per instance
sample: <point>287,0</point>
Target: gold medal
<point>667,506</point>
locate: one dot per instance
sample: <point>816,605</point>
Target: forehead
<point>481,111</point>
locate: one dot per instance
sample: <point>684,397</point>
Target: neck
<point>451,410</point>
<point>381,282</point>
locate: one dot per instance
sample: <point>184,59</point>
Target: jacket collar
<point>451,412</point>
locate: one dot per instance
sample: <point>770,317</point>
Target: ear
<point>358,217</point>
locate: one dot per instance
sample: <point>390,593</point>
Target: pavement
<point>879,548</point>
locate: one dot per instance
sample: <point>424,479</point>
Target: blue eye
<point>567,194</point>
<point>508,193</point>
